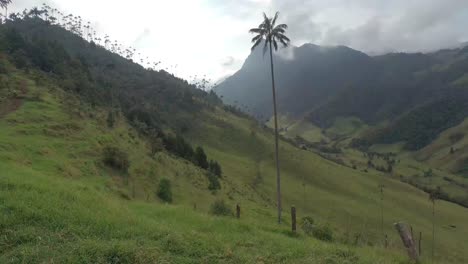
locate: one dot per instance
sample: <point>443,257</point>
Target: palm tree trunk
<point>433,230</point>
<point>278,179</point>
<point>382,213</point>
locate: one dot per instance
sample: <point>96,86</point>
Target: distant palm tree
<point>434,195</point>
<point>271,34</point>
<point>4,4</point>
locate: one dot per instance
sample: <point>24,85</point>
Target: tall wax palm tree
<point>4,4</point>
<point>270,33</point>
<point>434,195</point>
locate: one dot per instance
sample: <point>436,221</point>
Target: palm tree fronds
<point>256,43</point>
<point>274,19</point>
<point>278,30</point>
<point>283,26</point>
<point>275,44</point>
<point>257,31</point>
<point>283,37</point>
<point>266,20</point>
<point>255,39</point>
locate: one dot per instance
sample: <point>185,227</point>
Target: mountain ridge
<point>321,84</point>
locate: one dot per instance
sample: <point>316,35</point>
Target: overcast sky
<point>211,36</point>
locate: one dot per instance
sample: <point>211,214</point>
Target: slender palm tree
<point>434,195</point>
<point>4,4</point>
<point>381,188</point>
<point>270,33</point>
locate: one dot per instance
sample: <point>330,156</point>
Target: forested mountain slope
<point>322,84</point>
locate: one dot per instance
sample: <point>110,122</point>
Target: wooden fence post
<point>238,211</point>
<point>386,240</point>
<point>419,243</point>
<point>405,234</point>
<point>293,218</point>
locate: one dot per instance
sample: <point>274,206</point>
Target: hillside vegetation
<point>65,201</point>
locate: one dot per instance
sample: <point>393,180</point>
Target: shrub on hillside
<point>215,168</point>
<point>307,225</point>
<point>321,232</point>
<point>324,233</point>
<point>214,183</point>
<point>428,173</point>
<point>165,190</point>
<point>156,144</point>
<point>178,146</point>
<point>116,158</point>
<point>3,67</point>
<point>220,208</point>
<point>200,158</point>
<point>110,119</point>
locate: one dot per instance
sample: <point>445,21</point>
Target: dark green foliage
<point>422,125</point>
<point>200,158</point>
<point>220,208</point>
<point>3,68</point>
<point>165,190</point>
<point>156,144</point>
<point>321,232</point>
<point>324,233</point>
<point>389,168</point>
<point>116,158</point>
<point>428,173</point>
<point>110,119</point>
<point>307,225</point>
<point>214,183</point>
<point>178,146</point>
<point>215,168</point>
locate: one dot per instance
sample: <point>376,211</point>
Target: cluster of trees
<point>420,126</point>
<point>180,147</point>
<point>388,158</point>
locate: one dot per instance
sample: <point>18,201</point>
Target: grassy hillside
<point>442,163</point>
<point>345,198</point>
<point>61,203</point>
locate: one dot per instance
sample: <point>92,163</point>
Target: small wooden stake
<point>386,240</point>
<point>293,219</point>
<point>237,211</point>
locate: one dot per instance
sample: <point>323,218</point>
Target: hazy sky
<point>211,36</point>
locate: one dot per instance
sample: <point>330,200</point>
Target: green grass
<point>345,198</point>
<point>60,204</point>
<point>346,126</point>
